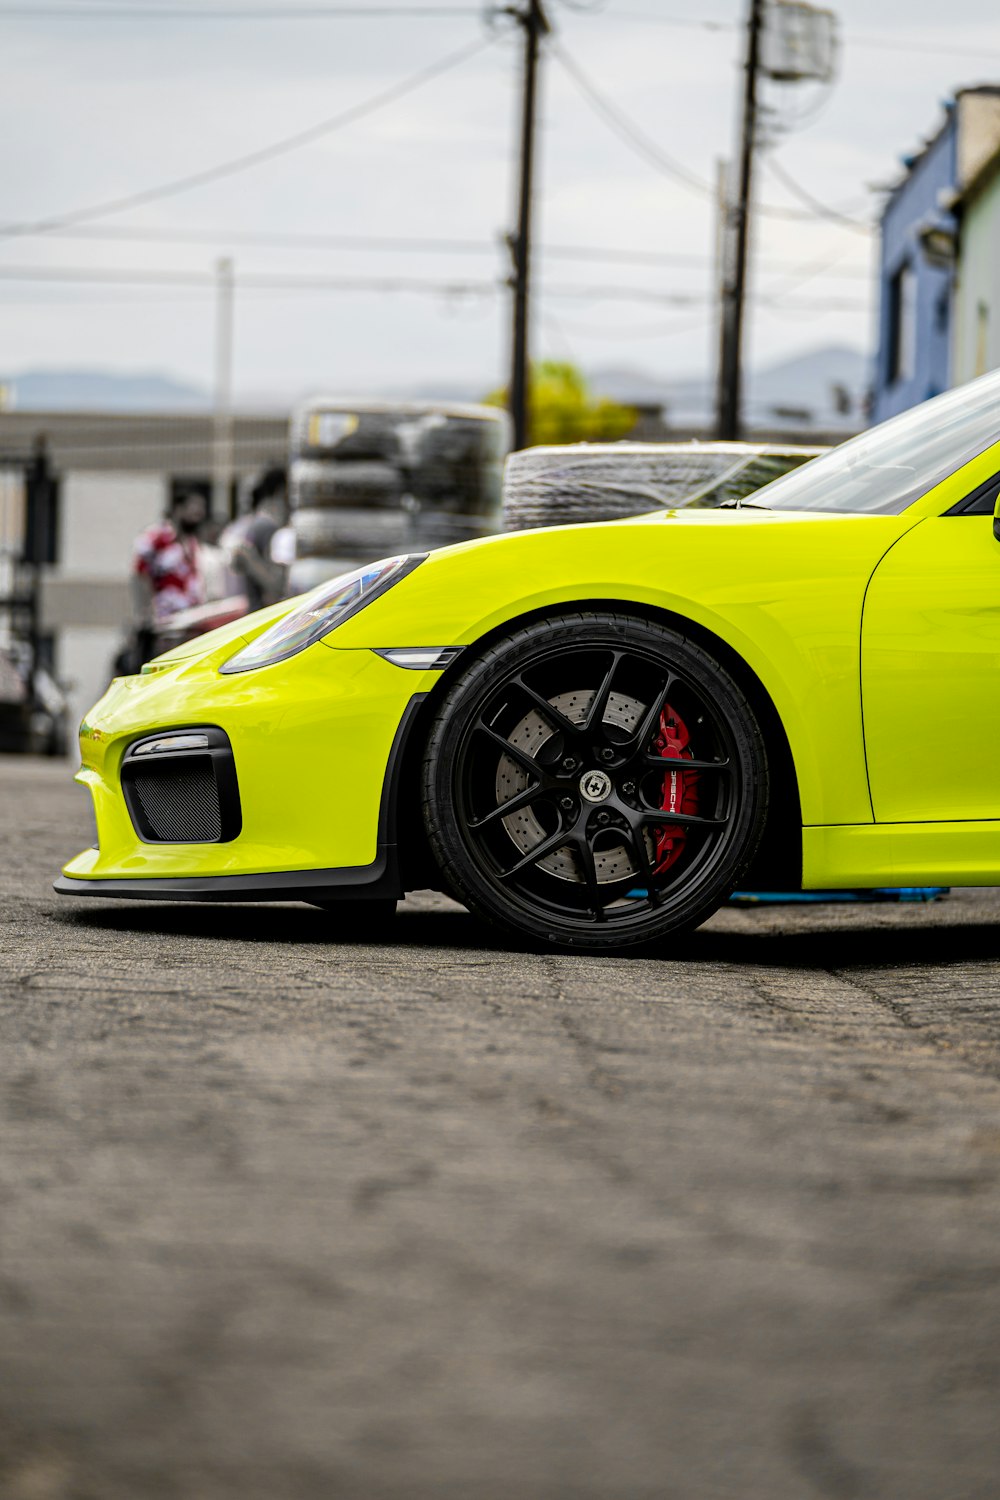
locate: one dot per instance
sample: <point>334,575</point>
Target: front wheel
<point>594,782</point>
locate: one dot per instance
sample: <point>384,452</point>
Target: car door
<point>930,669</point>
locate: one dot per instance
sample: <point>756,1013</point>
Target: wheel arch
<point>778,863</point>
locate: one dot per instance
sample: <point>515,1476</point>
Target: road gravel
<point>290,1210</point>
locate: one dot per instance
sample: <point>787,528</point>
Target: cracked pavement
<point>289,1212</point>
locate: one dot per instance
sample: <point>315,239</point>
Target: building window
<point>902,325</point>
<point>982,338</point>
<point>942,311</point>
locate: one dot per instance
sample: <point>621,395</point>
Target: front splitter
<point>377,881</point>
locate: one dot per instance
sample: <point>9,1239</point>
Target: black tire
<point>321,431</point>
<point>351,533</point>
<point>566,722</point>
<point>322,483</point>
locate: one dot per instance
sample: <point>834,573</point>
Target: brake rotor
<point>614,862</point>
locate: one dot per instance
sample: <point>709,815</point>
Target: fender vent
<point>182,795</point>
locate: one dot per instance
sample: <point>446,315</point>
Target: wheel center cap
<point>595,786</point>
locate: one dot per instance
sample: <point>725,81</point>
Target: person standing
<point>263,577</point>
<point>166,567</point>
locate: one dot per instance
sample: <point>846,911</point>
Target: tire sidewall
<point>448,739</point>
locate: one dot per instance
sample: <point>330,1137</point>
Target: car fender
<point>785,593</point>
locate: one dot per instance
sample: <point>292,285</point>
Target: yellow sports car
<point>590,734</point>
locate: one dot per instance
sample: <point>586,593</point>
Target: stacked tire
<point>583,482</point>
<point>345,507</point>
<point>368,480</point>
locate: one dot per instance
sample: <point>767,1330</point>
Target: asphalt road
<point>288,1214</point>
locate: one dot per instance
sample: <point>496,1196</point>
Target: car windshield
<point>884,470</point>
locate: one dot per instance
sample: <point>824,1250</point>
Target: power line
<point>865,39</point>
<point>803,273</point>
<point>370,12</point>
<point>233,13</point>
<point>293,239</point>
<point>168,276</point>
<point>626,129</point>
<point>693,23</point>
<point>281,281</point>
<point>255,158</point>
<point>854,38</point>
<point>644,146</point>
<point>413,245</point>
<point>617,332</point>
<point>822,210</point>
<point>614,117</point>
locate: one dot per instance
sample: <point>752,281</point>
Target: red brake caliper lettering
<point>680,789</point>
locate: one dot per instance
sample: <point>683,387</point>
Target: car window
<point>884,470</point>
<point>981,502</point>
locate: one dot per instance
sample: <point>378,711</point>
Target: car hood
<point>701,563</point>
<point>662,558</point>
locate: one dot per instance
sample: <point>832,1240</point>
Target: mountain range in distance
<point>99,391</point>
<point>823,387</point>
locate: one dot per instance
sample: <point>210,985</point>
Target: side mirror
<point>996,517</point>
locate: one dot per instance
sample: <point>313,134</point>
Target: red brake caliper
<point>680,789</point>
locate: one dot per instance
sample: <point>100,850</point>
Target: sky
<point>96,106</point>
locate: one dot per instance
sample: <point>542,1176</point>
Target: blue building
<point>922,250</point>
<point>915,294</point>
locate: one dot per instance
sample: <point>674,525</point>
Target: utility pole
<point>222,444</point>
<point>728,397</point>
<point>535,25</point>
<point>719,248</point>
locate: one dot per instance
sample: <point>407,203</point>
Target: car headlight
<point>322,611</point>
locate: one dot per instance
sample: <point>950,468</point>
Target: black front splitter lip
<point>376,881</point>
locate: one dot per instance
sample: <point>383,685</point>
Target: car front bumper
<point>313,741</point>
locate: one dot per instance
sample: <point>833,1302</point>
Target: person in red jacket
<point>166,569</point>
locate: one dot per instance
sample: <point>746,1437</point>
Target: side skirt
<point>901,854</point>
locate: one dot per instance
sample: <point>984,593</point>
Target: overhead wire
<point>930,49</point>
<point>820,209</point>
<point>234,13</point>
<point>636,330</point>
<point>626,128</point>
<point>275,281</point>
<point>75,221</point>
<point>852,38</point>
<point>255,158</point>
<point>804,273</point>
<point>89,11</point>
<point>222,238</point>
<point>614,117</point>
<point>404,244</point>
<point>171,276</point>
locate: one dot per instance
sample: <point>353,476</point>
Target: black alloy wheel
<point>595,782</point>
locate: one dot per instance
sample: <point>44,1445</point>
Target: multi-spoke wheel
<point>595,781</point>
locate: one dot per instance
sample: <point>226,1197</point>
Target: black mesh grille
<point>180,801</point>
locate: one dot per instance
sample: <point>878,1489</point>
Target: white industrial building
<point>115,476</point>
